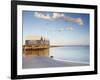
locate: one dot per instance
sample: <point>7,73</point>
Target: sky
<point>59,28</point>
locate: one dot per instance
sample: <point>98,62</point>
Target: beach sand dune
<point>46,62</point>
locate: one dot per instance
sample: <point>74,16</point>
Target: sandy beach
<point>45,62</point>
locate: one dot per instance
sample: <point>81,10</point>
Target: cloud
<point>69,28</point>
<point>42,16</point>
<point>47,16</point>
<point>56,16</point>
<point>78,21</point>
<point>66,29</point>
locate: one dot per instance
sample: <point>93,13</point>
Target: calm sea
<point>79,54</point>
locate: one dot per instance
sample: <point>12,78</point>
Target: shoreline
<point>46,62</point>
<point>71,61</point>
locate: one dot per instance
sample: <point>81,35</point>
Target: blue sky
<point>59,28</point>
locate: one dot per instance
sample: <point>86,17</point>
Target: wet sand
<point>46,62</point>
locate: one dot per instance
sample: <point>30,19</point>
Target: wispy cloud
<point>56,16</point>
<point>74,20</point>
<point>66,29</point>
<point>69,28</point>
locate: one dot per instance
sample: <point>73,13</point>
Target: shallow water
<point>78,54</point>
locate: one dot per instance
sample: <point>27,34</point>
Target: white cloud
<point>56,16</point>
<point>42,16</point>
<point>79,21</point>
<point>47,16</point>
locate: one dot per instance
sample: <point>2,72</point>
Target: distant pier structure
<point>36,46</point>
<point>36,43</point>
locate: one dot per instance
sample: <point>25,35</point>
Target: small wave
<point>71,61</point>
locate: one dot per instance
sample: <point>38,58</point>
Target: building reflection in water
<point>37,52</point>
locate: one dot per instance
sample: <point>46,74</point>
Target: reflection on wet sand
<point>37,52</point>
